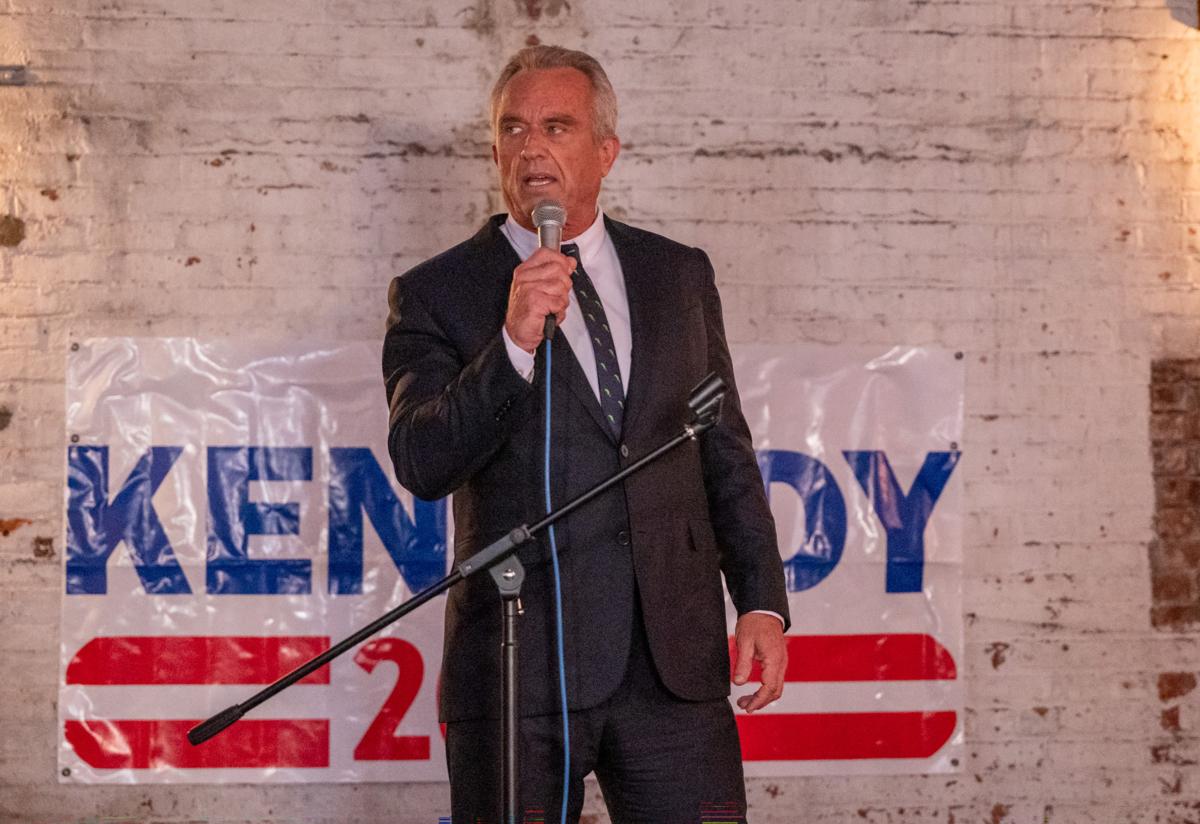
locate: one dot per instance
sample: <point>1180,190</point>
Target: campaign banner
<point>231,512</point>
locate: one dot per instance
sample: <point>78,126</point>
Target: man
<point>646,655</point>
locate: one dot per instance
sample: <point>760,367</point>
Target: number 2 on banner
<point>380,743</point>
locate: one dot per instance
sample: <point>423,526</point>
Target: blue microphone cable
<point>558,608</point>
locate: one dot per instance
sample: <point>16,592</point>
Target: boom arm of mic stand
<point>226,717</point>
<point>706,407</point>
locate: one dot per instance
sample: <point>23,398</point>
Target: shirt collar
<point>590,241</point>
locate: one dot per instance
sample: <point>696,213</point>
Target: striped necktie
<point>608,371</point>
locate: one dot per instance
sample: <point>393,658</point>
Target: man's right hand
<point>540,286</point>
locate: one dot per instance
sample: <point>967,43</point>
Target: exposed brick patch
<point>1170,719</point>
<point>6,416</point>
<point>43,547</point>
<point>12,230</point>
<point>1175,685</point>
<point>10,525</point>
<point>1175,446</point>
<point>999,653</point>
<point>1168,754</point>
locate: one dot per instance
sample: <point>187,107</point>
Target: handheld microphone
<point>549,217</point>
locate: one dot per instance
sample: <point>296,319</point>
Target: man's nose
<point>534,145</point>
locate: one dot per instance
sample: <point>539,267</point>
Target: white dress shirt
<point>599,260</point>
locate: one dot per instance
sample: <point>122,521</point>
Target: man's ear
<point>610,147</point>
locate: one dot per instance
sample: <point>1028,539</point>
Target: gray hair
<point>604,99</point>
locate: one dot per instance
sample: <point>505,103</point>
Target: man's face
<point>546,149</point>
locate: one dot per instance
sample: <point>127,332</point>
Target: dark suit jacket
<point>464,422</point>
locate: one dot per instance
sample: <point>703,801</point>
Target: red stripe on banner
<point>849,735</point>
<point>194,659</point>
<point>885,657</point>
<point>141,745</point>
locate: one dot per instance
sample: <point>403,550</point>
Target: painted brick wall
<point>1016,180</point>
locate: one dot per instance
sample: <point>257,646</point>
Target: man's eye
<point>554,128</point>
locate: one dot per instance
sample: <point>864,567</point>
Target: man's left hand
<point>759,637</point>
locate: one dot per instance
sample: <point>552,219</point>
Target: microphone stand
<point>500,560</point>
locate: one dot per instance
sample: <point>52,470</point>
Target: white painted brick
<point>133,35</point>
<point>1022,173</point>
<point>18,30</point>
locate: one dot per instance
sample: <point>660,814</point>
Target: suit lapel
<point>643,274</point>
<point>495,260</point>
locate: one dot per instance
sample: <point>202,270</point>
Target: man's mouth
<point>538,181</point>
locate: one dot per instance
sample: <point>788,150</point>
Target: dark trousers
<point>658,759</point>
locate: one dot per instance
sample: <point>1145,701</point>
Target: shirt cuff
<point>768,612</point>
<point>521,360</point>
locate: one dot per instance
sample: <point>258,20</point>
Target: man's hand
<point>540,286</point>
<point>759,637</point>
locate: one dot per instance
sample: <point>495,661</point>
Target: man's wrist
<point>521,360</point>
<point>782,623</point>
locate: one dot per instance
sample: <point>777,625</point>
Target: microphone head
<point>549,212</point>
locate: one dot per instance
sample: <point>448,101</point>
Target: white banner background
<point>133,394</point>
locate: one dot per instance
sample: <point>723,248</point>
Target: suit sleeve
<point>737,501</point>
<point>449,411</point>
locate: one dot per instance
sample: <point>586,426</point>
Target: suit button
<point>624,451</point>
<point>623,538</point>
